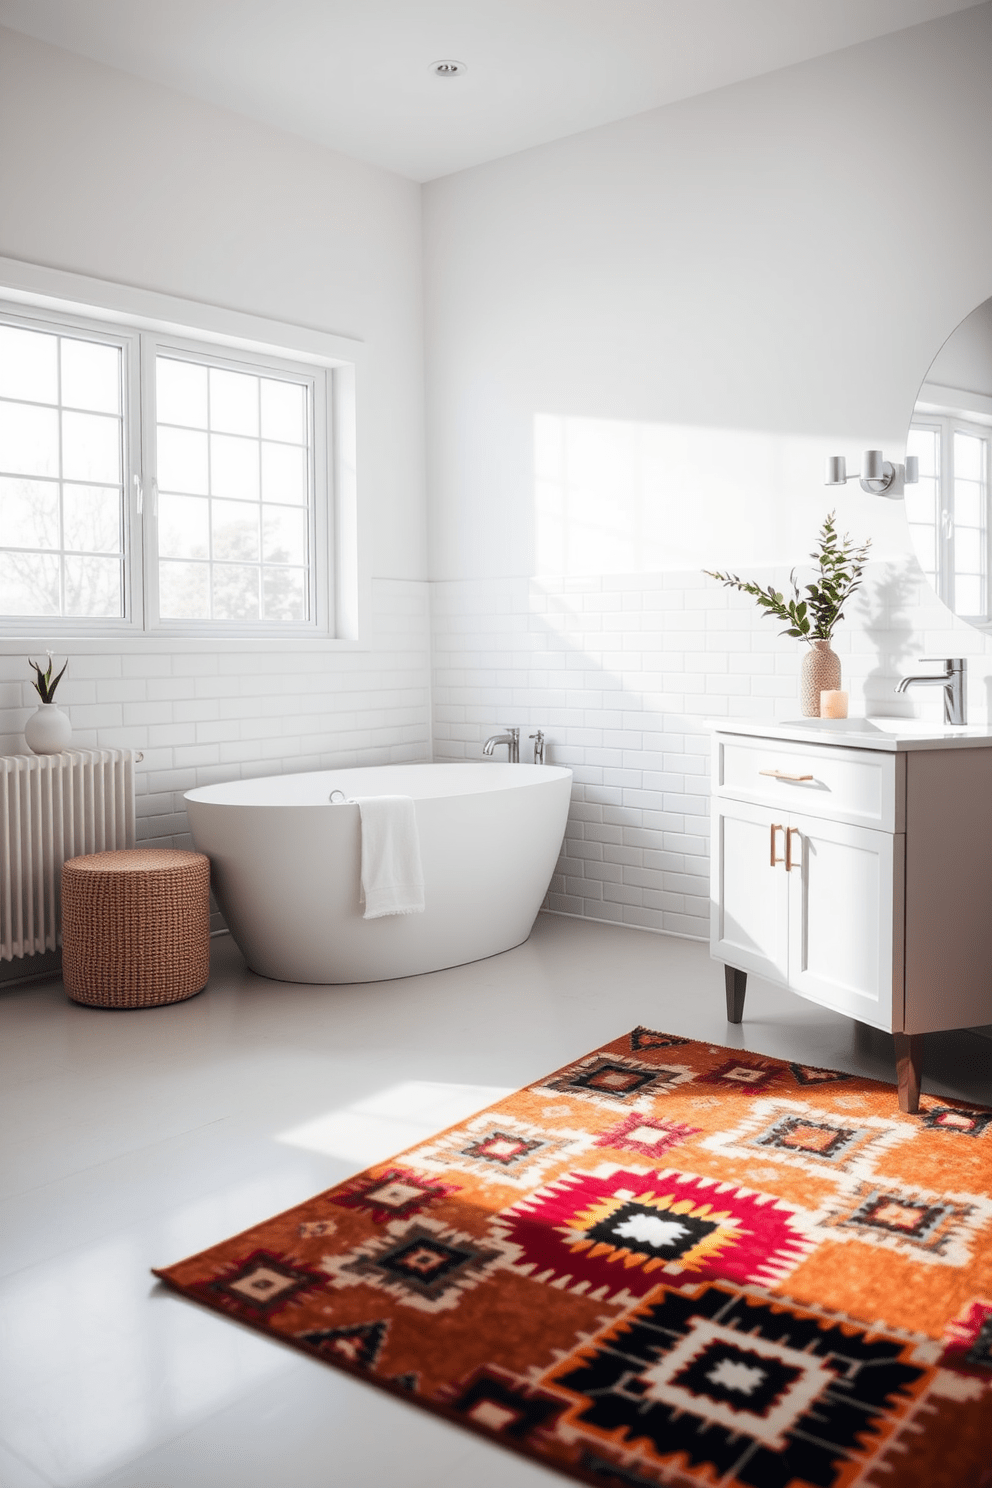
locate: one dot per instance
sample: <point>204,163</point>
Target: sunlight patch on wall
<point>617,496</point>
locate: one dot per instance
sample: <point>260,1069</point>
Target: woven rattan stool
<point>135,927</point>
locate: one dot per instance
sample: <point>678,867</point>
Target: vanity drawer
<point>864,786</point>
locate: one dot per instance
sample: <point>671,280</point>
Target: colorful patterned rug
<point>666,1264</point>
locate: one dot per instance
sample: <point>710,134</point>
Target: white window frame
<point>321,564</point>
<point>947,421</point>
<point>129,343</point>
<point>145,323</point>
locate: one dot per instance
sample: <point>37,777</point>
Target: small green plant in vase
<point>48,730</point>
<point>44,684</point>
<point>814,611</point>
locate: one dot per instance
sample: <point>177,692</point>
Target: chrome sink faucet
<point>512,741</point>
<point>952,680</point>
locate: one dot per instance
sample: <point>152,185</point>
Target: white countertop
<point>894,735</point>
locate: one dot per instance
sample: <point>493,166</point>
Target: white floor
<point>132,1139</point>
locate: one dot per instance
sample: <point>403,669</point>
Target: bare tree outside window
<point>61,475</point>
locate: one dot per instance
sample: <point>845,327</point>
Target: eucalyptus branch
<point>814,611</point>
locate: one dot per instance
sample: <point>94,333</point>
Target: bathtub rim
<point>523,776</point>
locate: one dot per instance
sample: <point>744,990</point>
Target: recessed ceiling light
<point>448,68</point>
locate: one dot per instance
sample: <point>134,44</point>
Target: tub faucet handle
<point>538,747</point>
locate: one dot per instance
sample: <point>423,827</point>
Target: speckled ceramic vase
<point>820,673</point>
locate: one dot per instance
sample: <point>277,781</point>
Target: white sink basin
<point>907,728</point>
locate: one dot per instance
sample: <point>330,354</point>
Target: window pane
<point>233,402</point>
<point>254,559</point>
<point>181,393</point>
<point>91,447</point>
<point>182,461</point>
<point>284,411</point>
<point>93,587</point>
<point>184,591</point>
<point>29,513</point>
<point>29,584</point>
<point>29,440</point>
<point>184,527</point>
<point>921,501</point>
<point>968,456</point>
<point>284,473</point>
<point>969,503</point>
<point>284,534</point>
<point>284,593</point>
<point>968,546</point>
<point>235,592</point>
<point>968,596</point>
<point>28,365</point>
<point>925,445</point>
<point>91,376</point>
<point>91,519</point>
<point>233,467</point>
<point>235,530</point>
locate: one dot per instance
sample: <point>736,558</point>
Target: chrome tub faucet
<point>512,741</point>
<point>538,747</point>
<point>951,679</point>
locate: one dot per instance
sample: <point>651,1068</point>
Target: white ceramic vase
<point>48,730</point>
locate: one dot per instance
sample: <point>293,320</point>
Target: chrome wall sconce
<point>877,475</point>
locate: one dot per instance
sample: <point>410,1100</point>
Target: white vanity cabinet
<point>858,874</point>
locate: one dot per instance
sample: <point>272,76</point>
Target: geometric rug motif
<point>395,1194</point>
<point>808,1074</point>
<point>419,1262</point>
<point>647,1038</point>
<point>803,1135</point>
<point>933,1228</point>
<point>758,1393</point>
<point>614,1233</point>
<point>617,1080</point>
<point>957,1119</point>
<point>357,1344</point>
<point>650,1138</point>
<point>665,1265</point>
<point>969,1338</point>
<point>749,1076</point>
<point>261,1282</point>
<point>503,1151</point>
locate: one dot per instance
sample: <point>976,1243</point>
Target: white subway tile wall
<point>208,716</point>
<point>621,672</point>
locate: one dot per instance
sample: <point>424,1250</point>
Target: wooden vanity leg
<point>736,987</point>
<point>909,1069</point>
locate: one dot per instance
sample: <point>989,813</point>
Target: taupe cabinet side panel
<point>948,889</point>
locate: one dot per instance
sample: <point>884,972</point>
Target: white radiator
<point>53,807</point>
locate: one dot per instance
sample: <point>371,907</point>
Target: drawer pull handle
<point>777,827</point>
<point>789,863</point>
<point>784,775</point>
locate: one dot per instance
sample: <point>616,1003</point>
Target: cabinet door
<point>750,900</point>
<point>846,889</point>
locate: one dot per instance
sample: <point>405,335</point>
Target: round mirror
<point>949,505</point>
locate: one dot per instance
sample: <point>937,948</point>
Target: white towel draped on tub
<point>392,875</point>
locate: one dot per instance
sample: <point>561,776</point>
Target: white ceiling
<point>354,74</point>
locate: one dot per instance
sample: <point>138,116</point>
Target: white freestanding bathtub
<point>285,866</point>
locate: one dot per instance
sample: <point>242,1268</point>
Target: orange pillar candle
<point>833,704</point>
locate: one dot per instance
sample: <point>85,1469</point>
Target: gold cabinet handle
<point>777,827</point>
<point>784,775</point>
<point>789,864</point>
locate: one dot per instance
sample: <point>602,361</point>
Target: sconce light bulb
<point>872,465</point>
<point>836,471</point>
